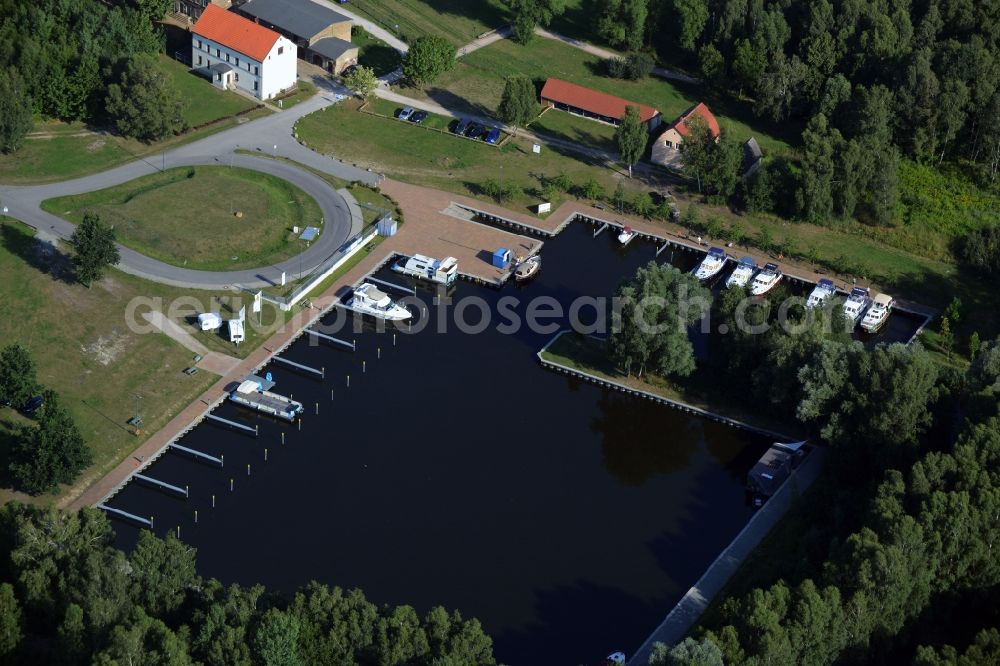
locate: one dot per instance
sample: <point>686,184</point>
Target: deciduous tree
<point>362,81</point>
<point>94,249</point>
<point>428,58</point>
<point>145,104</point>
<point>631,137</point>
<point>528,14</point>
<point>18,380</point>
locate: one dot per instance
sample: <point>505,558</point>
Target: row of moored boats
<point>871,312</point>
<point>369,299</point>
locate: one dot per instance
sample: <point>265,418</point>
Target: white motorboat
<point>766,280</point>
<point>528,268</point>
<point>878,313</point>
<point>369,299</point>
<point>442,271</point>
<point>711,265</point>
<point>856,304</point>
<point>626,235</point>
<point>743,273</point>
<point>823,291</point>
<point>615,659</point>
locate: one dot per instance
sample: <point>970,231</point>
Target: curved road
<point>271,135</point>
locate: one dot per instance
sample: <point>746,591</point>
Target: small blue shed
<point>501,258</point>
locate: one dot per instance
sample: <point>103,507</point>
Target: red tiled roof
<point>564,92</point>
<point>702,112</point>
<point>235,32</point>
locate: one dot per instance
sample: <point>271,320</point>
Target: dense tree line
<point>60,57</point>
<point>905,516</point>
<point>67,596</point>
<point>871,82</point>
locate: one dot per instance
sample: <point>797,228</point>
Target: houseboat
<point>369,299</point>
<point>442,271</point>
<point>743,273</point>
<point>878,313</point>
<point>774,467</point>
<point>856,304</point>
<point>254,392</point>
<point>528,268</point>
<point>711,265</point>
<point>823,291</point>
<point>766,280</point>
<point>626,235</point>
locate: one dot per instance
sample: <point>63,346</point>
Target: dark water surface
<point>456,471</point>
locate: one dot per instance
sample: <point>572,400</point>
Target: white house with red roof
<point>667,150</point>
<point>237,53</point>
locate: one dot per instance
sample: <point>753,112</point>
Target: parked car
<point>474,131</point>
<point>418,117</point>
<point>493,136</point>
<point>405,113</point>
<point>462,125</point>
<point>33,405</point>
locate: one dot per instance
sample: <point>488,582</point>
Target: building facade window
<point>199,60</point>
<point>218,53</point>
<point>237,62</point>
<point>255,85</point>
<point>256,70</point>
<point>227,57</point>
<point>281,49</point>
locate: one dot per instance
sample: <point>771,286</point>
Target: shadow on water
<point>450,468</point>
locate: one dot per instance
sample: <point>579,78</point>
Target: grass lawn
<point>443,160</point>
<point>476,84</point>
<point>562,125</point>
<point>303,91</point>
<point>588,355</point>
<point>203,102</point>
<point>458,21</point>
<point>85,350</point>
<point>375,53</point>
<point>59,151</point>
<point>187,216</point>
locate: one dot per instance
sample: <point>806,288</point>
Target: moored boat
<point>615,659</point>
<point>743,273</point>
<point>442,271</point>
<point>711,265</point>
<point>856,304</point>
<point>766,280</point>
<point>878,313</point>
<point>528,268</point>
<point>369,299</point>
<point>627,234</point>
<point>823,291</point>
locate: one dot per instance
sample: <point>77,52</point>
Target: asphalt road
<point>271,135</point>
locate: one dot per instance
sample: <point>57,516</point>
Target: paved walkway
<point>372,27</point>
<point>661,72</point>
<point>686,613</point>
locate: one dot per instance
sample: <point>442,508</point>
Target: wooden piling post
<point>265,454</point>
<point>187,492</point>
<point>248,469</point>
<point>282,438</point>
<point>230,485</point>
<point>196,516</point>
<point>213,501</point>
<point>317,408</point>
